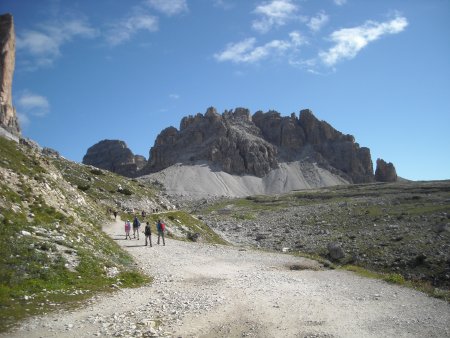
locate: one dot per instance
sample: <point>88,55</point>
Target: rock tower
<point>8,117</point>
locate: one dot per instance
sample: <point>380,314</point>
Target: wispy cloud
<point>168,7</point>
<point>24,120</point>
<point>274,13</point>
<point>34,104</point>
<point>317,22</point>
<point>225,4</point>
<point>174,96</point>
<point>44,43</point>
<point>246,51</point>
<point>349,41</point>
<point>126,28</point>
<point>340,2</point>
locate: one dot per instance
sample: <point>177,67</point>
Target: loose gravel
<point>202,290</point>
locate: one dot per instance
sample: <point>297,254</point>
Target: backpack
<point>148,230</point>
<point>163,227</point>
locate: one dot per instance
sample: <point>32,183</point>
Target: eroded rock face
<point>115,156</point>
<point>385,172</point>
<point>308,138</point>
<point>239,143</point>
<point>8,117</point>
<point>229,141</point>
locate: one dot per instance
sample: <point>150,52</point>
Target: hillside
<point>53,252</point>
<point>401,228</point>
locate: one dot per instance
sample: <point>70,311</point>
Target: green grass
<point>33,275</point>
<point>398,279</point>
<point>11,157</point>
<point>186,223</point>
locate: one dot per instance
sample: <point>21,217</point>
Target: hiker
<point>136,225</point>
<point>148,234</point>
<point>161,227</point>
<point>127,229</point>
<point>143,214</point>
<point>115,215</point>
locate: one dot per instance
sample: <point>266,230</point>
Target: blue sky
<point>115,69</point>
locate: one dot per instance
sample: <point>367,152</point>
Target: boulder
<point>335,251</point>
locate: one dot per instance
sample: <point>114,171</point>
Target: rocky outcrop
<point>385,172</point>
<point>8,117</point>
<point>239,143</point>
<point>230,142</point>
<point>308,138</point>
<point>115,156</point>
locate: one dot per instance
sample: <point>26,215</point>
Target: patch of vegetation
<point>395,278</point>
<point>97,172</point>
<point>132,279</point>
<point>83,187</point>
<point>186,224</point>
<point>13,158</point>
<point>125,191</point>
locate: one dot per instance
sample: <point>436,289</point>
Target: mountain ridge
<point>239,143</point>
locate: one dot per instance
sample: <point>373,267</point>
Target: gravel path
<point>216,291</point>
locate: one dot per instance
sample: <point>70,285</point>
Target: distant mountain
<point>114,156</point>
<point>241,144</point>
<point>238,143</point>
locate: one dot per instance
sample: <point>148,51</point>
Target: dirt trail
<point>216,291</point>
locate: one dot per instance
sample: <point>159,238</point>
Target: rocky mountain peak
<point>8,117</point>
<point>241,144</point>
<point>115,156</point>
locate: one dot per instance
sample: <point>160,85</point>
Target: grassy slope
<point>51,211</point>
<point>45,223</point>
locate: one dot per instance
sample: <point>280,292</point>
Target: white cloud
<point>33,104</point>
<point>24,121</point>
<point>317,22</point>
<point>223,4</point>
<point>174,96</point>
<point>340,2</point>
<point>349,41</point>
<point>129,26</point>
<point>168,7</point>
<point>274,13</point>
<point>44,44</point>
<point>246,52</point>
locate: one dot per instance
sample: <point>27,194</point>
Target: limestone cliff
<point>8,117</point>
<point>238,143</point>
<point>230,141</point>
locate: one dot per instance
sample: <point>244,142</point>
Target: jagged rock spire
<point>8,117</point>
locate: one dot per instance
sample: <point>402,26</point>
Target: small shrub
<point>395,278</point>
<point>97,172</point>
<point>83,187</point>
<point>125,191</point>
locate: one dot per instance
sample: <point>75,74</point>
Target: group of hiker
<point>160,228</point>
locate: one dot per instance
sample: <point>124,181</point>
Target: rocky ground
<point>395,228</point>
<point>204,290</point>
